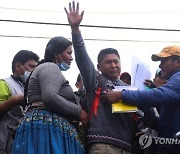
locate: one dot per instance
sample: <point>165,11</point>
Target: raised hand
<point>73,15</point>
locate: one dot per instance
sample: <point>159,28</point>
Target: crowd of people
<point>41,114</point>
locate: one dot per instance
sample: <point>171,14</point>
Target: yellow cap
<point>167,52</point>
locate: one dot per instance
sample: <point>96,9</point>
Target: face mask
<point>83,90</point>
<point>63,66</point>
<point>25,76</point>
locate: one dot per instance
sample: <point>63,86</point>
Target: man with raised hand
<point>107,132</point>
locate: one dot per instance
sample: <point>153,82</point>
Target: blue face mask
<point>63,66</point>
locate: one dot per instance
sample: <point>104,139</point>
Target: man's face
<point>110,66</point>
<point>168,66</point>
<point>28,66</point>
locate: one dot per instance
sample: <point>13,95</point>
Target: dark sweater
<point>106,127</point>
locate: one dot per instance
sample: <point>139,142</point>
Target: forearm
<point>151,98</point>
<point>7,105</point>
<point>139,98</point>
<point>75,29</point>
<point>62,106</point>
<point>84,62</point>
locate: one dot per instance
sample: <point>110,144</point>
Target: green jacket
<point>5,92</point>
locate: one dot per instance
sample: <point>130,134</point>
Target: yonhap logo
<point>145,140</point>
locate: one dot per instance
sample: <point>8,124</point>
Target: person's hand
<point>7,105</point>
<point>84,117</point>
<point>149,83</point>
<point>73,15</point>
<point>112,96</point>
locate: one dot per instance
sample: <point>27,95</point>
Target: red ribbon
<point>96,101</point>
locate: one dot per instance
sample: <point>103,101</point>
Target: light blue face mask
<point>63,66</point>
<point>25,76</point>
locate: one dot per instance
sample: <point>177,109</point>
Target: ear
<point>98,67</point>
<point>56,56</point>
<point>17,66</point>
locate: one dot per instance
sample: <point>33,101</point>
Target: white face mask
<point>25,76</point>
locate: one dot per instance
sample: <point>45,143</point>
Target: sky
<point>136,28</point>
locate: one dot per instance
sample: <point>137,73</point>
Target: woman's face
<point>65,56</point>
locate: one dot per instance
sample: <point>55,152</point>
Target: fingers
<point>66,10</point>
<point>70,8</point>
<point>85,120</point>
<point>77,7</point>
<point>73,6</point>
<point>82,13</point>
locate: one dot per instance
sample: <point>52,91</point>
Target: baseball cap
<point>167,52</point>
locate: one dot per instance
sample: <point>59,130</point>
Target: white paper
<point>120,88</point>
<point>140,72</point>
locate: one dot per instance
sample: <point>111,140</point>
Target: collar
<point>178,70</point>
<point>17,79</point>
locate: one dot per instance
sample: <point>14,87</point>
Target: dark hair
<point>105,52</point>
<point>79,78</point>
<point>55,45</point>
<point>175,57</point>
<point>125,75</point>
<point>23,56</point>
